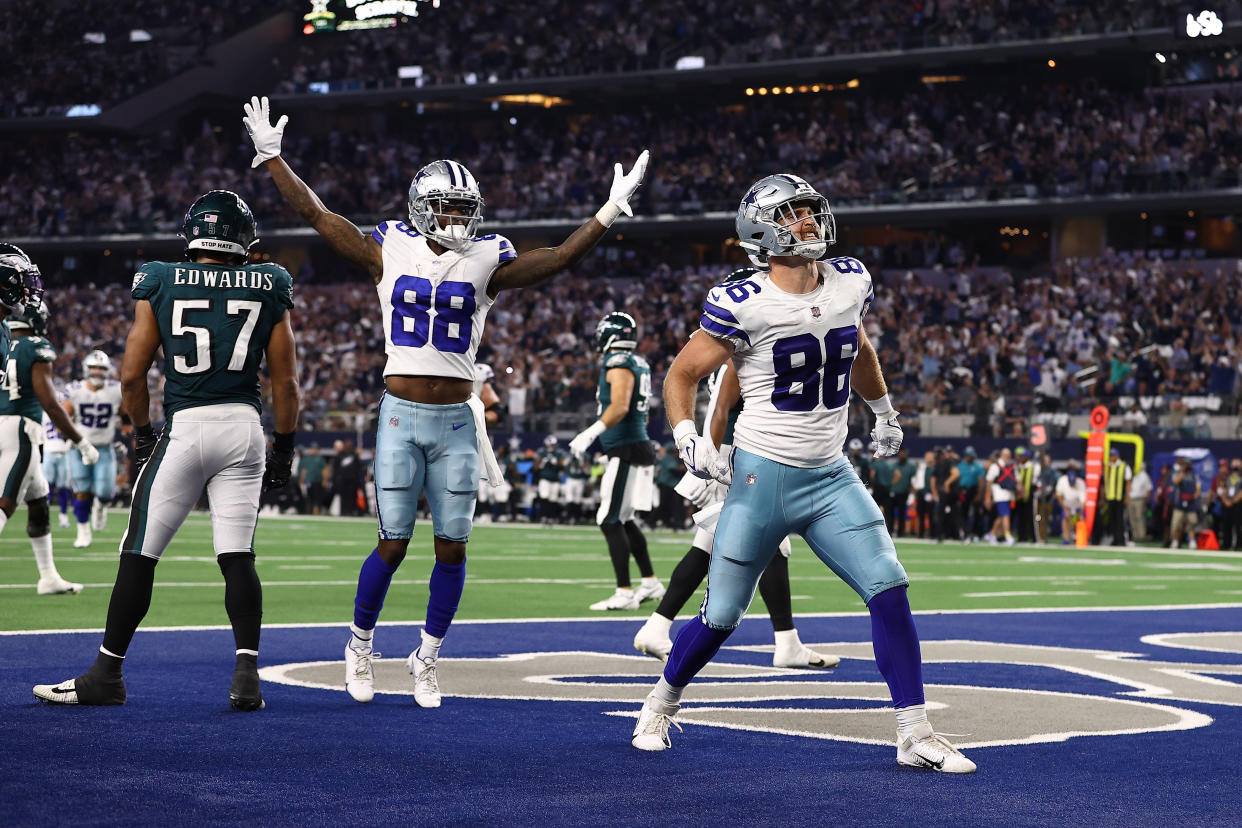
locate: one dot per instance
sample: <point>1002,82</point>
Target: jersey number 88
<point>413,299</point>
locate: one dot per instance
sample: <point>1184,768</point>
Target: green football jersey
<point>215,322</point>
<point>6,338</point>
<point>633,428</point>
<point>17,394</point>
<point>550,464</point>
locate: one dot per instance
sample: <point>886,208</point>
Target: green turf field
<point>309,568</point>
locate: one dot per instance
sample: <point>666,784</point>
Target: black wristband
<point>282,442</point>
<point>144,431</point>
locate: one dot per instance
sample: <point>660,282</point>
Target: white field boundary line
<point>343,624</point>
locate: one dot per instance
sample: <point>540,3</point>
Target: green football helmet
<point>741,274</point>
<point>20,282</point>
<point>617,330</point>
<point>220,222</point>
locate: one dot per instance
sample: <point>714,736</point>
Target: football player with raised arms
<point>29,395</point>
<point>95,403</point>
<point>796,339</point>
<point>217,318</point>
<point>436,280</point>
<point>623,399</point>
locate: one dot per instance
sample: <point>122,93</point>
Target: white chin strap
<point>454,237</point>
<point>809,250</point>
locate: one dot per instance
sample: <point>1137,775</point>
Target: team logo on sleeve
<point>138,277</point>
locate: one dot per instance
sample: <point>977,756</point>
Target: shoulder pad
<point>619,360</point>
<point>720,311</point>
<point>386,228</point>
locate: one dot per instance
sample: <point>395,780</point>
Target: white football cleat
<point>64,520</point>
<point>619,600</point>
<point>649,592</point>
<point>84,536</point>
<point>426,683</point>
<point>803,656</point>
<point>57,586</point>
<point>99,515</point>
<point>1009,541</point>
<point>651,732</point>
<point>83,690</point>
<point>924,749</point>
<point>359,674</point>
<point>653,641</point>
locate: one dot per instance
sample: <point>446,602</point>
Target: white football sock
<point>42,547</point>
<point>650,580</point>
<point>908,717</point>
<point>360,635</point>
<point>659,623</point>
<point>429,650</point>
<point>666,692</point>
<point>787,640</point>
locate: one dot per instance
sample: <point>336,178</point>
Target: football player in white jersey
<point>796,339</point>
<point>436,280</point>
<point>56,464</point>
<point>95,404</point>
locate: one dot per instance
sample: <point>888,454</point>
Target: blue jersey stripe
<point>379,231</point>
<point>714,327</point>
<point>507,255</point>
<point>719,312</point>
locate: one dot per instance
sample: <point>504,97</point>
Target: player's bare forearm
<point>620,392</point>
<point>701,355</point>
<point>865,376</point>
<point>282,365</point>
<point>140,347</point>
<point>726,397</point>
<point>339,232</point>
<point>537,266</point>
<point>45,391</point>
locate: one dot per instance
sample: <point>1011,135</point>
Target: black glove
<point>145,439</point>
<point>279,462</point>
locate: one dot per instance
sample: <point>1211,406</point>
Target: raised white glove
<point>886,435</point>
<point>699,454</point>
<point>89,453</point>
<point>258,121</point>
<point>624,185</point>
<point>582,441</point>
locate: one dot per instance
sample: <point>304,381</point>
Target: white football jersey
<point>96,412</point>
<point>434,306</point>
<point>793,354</point>
<point>53,440</point>
<point>483,374</point>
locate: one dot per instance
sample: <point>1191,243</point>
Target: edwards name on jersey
<point>17,394</point>
<point>434,306</point>
<point>215,322</point>
<point>793,354</point>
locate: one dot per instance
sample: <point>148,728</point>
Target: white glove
<point>258,121</point>
<point>699,454</point>
<point>886,435</point>
<point>624,184</point>
<point>582,441</point>
<point>89,453</point>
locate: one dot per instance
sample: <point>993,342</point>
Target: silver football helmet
<point>437,187</point>
<point>97,367</point>
<point>766,219</point>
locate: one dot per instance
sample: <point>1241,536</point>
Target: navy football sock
<point>896,644</point>
<point>695,645</point>
<point>82,509</point>
<point>774,587</point>
<point>373,583</point>
<point>63,495</point>
<point>446,584</point>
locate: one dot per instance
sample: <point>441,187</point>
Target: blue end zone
<point>176,753</point>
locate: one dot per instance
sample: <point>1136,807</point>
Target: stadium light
<point>690,62</point>
<point>750,90</point>
<point>1160,57</point>
<point>1052,64</point>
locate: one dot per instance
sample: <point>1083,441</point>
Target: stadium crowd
<point>942,142</point>
<point>1001,349</point>
<point>46,44</point>
<point>613,37</point>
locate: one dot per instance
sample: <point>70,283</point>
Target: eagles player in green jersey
<point>624,396</point>
<point>27,392</point>
<point>20,286</point>
<point>216,317</point>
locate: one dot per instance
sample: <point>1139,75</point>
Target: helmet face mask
<point>219,223</point>
<point>96,367</point>
<point>21,283</point>
<point>445,204</point>
<point>773,210</point>
<point>616,331</point>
